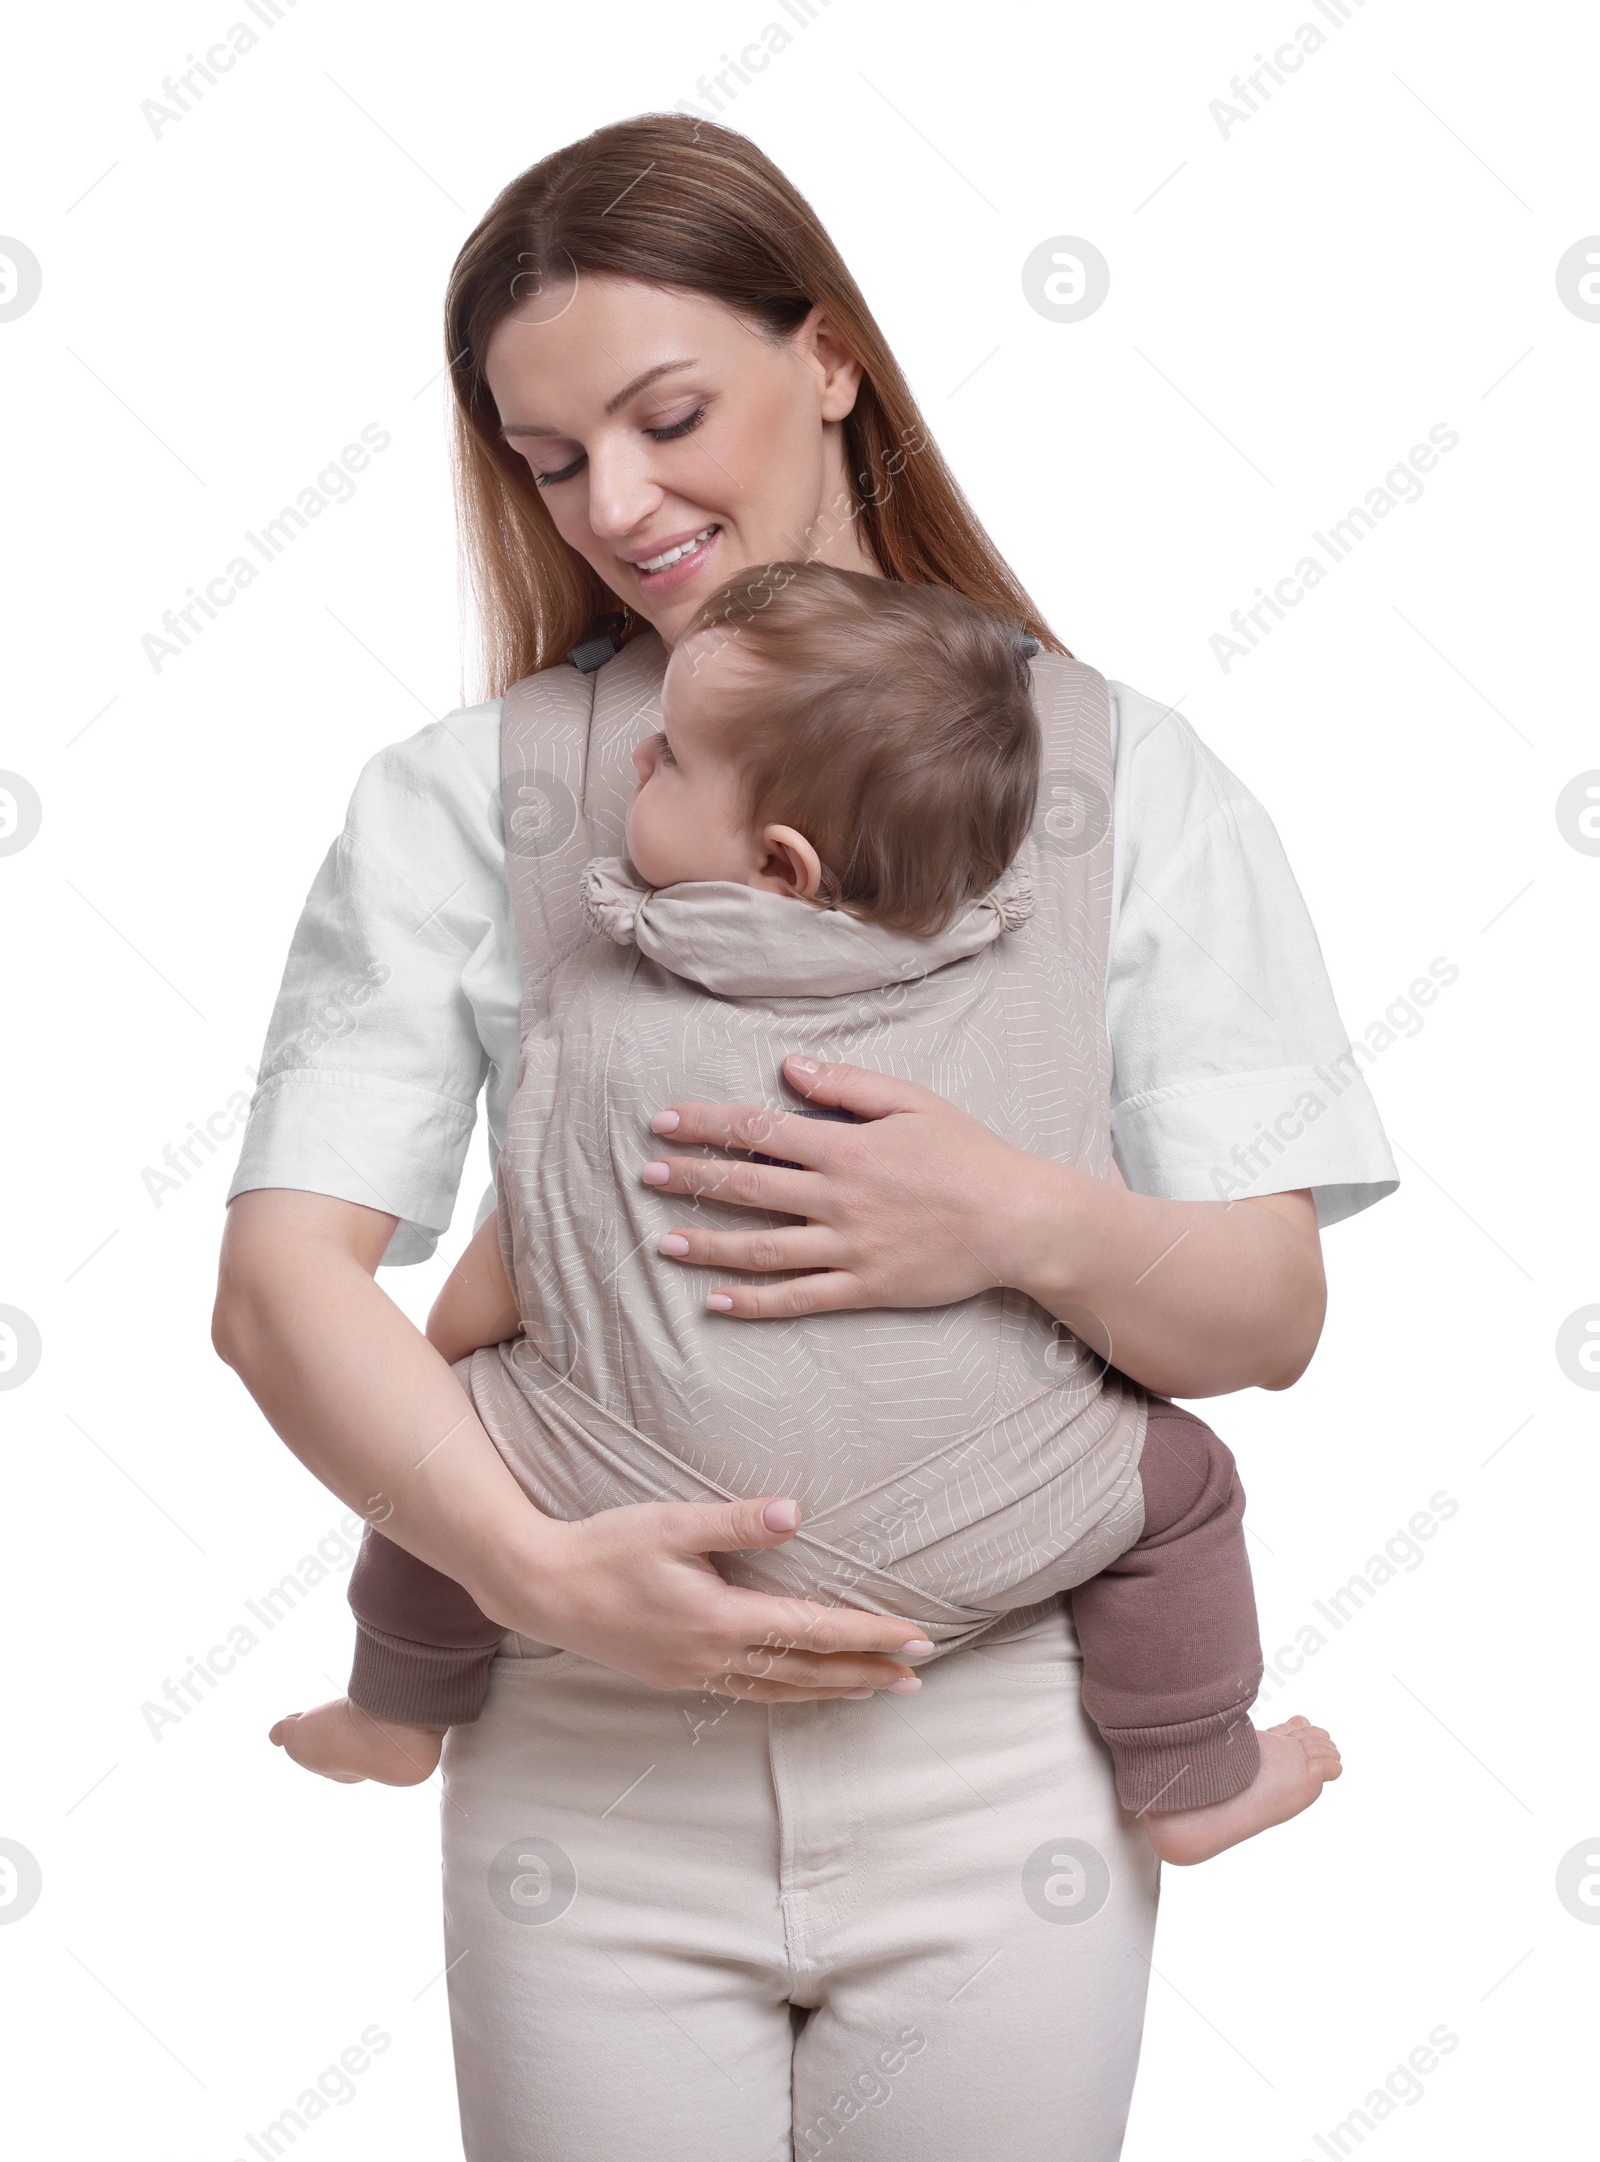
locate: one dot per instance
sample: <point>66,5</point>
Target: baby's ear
<point>790,862</point>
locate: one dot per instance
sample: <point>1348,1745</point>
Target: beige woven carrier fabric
<point>960,1466</point>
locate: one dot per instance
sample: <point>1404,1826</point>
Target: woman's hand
<point>632,1588</point>
<point>909,1209</point>
<point>924,1206</point>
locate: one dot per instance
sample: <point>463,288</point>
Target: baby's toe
<point>1320,1751</point>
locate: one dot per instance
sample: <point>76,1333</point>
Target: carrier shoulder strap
<point>566,740</point>
<point>1073,703</point>
<point>1070,855</point>
<point>1071,842</point>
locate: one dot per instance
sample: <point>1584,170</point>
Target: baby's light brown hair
<point>892,725</point>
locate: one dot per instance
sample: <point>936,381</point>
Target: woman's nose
<point>622,495</point>
<point>644,759</point>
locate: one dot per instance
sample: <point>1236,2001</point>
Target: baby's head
<point>844,739</point>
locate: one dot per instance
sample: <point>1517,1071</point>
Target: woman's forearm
<point>370,1407</point>
<point>365,1402</point>
<point>1190,1298</point>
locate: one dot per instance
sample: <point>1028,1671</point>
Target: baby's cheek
<point>642,836</point>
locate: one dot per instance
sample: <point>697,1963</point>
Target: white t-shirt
<point>401,997</point>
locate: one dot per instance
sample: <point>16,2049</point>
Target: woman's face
<point>675,442</point>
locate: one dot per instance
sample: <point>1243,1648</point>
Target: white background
<point>1292,306</point>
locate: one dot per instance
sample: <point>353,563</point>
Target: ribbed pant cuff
<point>425,1685</point>
<point>1184,1767</point>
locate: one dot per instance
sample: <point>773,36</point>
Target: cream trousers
<point>691,1930</point>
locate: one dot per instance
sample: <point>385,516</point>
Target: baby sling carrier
<point>957,1466</point>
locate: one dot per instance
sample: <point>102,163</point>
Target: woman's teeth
<point>675,555</point>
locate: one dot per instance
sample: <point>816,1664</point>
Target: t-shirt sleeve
<point>373,1061</point>
<point>1232,1073</point>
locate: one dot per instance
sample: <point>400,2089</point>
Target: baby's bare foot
<point>342,1742</point>
<point>1297,1760</point>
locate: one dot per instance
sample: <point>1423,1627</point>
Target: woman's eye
<point>664,753</point>
<point>543,480</point>
<point>669,434</point>
<point>678,427</point>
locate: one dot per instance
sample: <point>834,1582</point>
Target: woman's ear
<point>789,863</point>
<point>838,368</point>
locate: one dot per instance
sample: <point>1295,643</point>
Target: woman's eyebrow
<point>662,367</point>
<point>612,405</point>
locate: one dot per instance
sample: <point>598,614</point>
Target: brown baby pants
<point>1171,1653</point>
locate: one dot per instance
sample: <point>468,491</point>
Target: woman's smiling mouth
<point>678,561</point>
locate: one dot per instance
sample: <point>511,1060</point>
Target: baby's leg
<point>423,1652</point>
<point>1172,1660</point>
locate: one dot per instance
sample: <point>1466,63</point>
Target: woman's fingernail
<point>805,1065</point>
<point>656,1174</point>
<point>665,1122</point>
<point>916,1648</point>
<point>782,1516</point>
<point>907,1686</point>
<point>673,1243</point>
<point>720,1303</point>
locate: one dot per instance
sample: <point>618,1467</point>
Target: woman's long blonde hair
<point>670,200</point>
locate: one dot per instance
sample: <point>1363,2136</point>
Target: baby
<point>832,842</point>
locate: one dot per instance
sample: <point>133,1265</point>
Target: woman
<point>719,1879</point>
